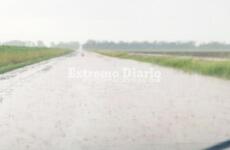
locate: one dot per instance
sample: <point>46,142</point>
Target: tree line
<point>156,45</point>
<point>71,45</point>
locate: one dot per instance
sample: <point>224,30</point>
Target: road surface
<point>45,107</point>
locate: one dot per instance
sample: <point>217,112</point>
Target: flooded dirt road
<point>45,107</point>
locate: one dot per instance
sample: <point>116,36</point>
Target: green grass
<point>214,68</point>
<point>16,57</point>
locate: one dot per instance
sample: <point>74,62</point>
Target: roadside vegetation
<point>12,57</point>
<point>214,68</point>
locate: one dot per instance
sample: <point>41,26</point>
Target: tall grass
<point>15,57</point>
<point>214,68</point>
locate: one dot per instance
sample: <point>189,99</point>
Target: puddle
<point>5,77</point>
<point>47,68</point>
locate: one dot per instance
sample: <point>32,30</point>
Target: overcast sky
<point>67,20</point>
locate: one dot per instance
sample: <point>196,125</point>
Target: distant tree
<point>40,44</point>
<point>30,44</point>
<point>14,43</point>
<point>71,45</point>
<point>52,44</point>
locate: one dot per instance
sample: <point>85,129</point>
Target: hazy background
<point>68,20</point>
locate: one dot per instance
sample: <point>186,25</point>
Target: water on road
<point>43,108</point>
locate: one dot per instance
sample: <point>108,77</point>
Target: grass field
<point>16,57</point>
<point>214,68</point>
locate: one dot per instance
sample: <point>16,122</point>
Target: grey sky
<point>65,20</point>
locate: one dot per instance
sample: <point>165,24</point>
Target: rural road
<point>43,107</point>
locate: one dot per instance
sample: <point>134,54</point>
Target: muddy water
<point>43,108</point>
